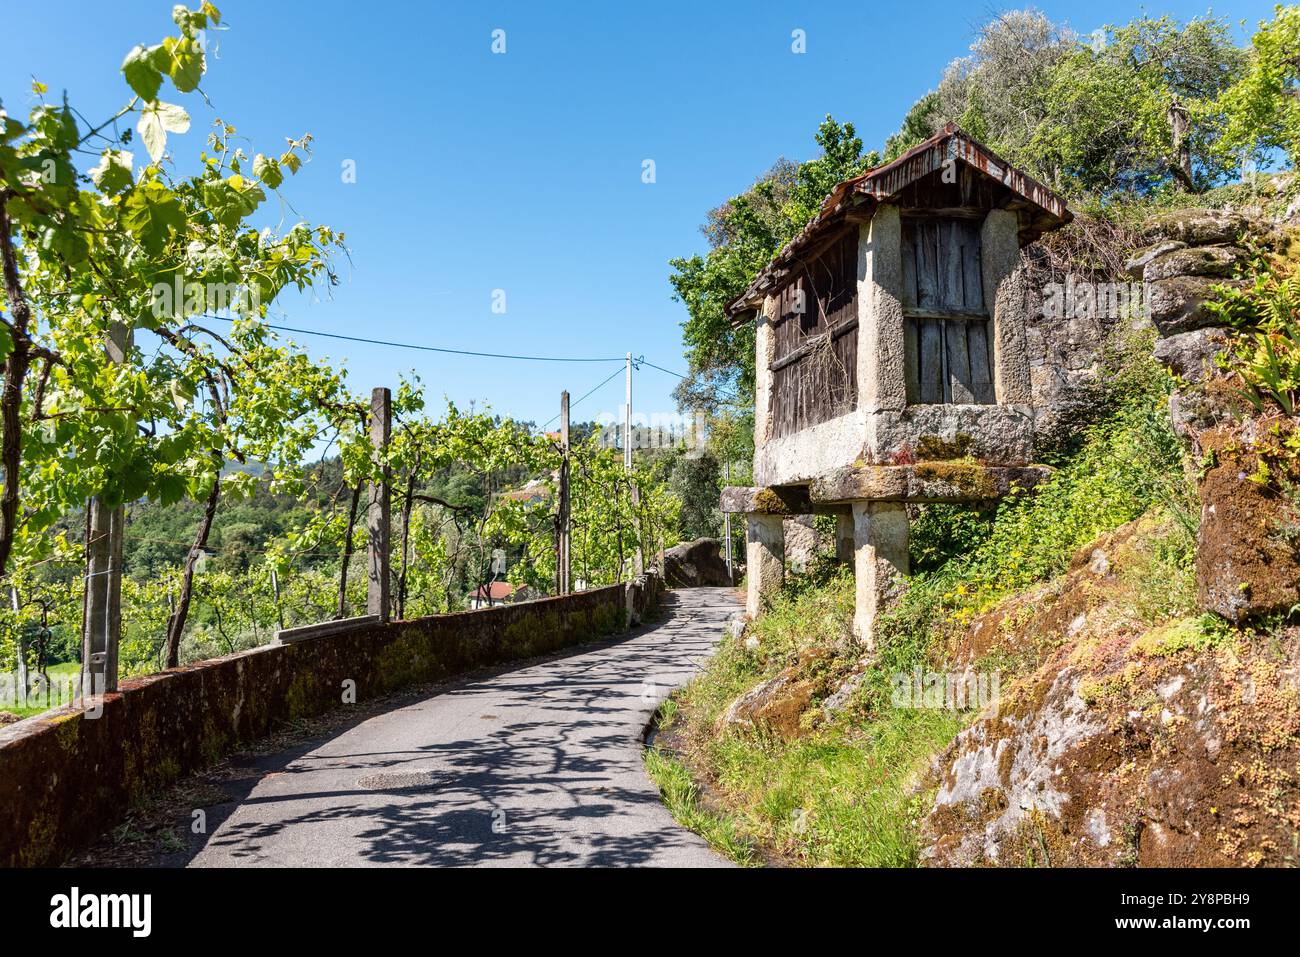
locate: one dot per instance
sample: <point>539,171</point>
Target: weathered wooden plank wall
<point>947,323</point>
<point>814,373</point>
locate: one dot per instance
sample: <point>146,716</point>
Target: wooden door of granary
<point>946,322</point>
<point>815,339</point>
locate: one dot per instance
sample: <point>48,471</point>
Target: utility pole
<point>101,617</point>
<point>563,553</point>
<point>22,651</point>
<point>379,507</point>
<point>275,592</point>
<point>639,561</point>
<point>627,419</point>
<point>726,523</point>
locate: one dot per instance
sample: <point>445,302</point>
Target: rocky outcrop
<point>1137,263</point>
<point>695,564</point>
<point>1198,227</point>
<point>1217,261</point>
<point>1179,303</point>
<point>800,697</point>
<point>1124,744</point>
<point>1181,760</point>
<point>1248,564</point>
<point>1190,252</point>
<point>775,706</point>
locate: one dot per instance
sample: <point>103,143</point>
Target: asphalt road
<point>539,766</point>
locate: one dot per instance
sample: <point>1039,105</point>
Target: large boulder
<point>1137,263</point>
<point>778,705</point>
<point>1247,563</point>
<point>1179,304</point>
<point>775,706</point>
<point>1197,227</point>
<point>1191,355</point>
<point>696,564</point>
<point>1218,261</point>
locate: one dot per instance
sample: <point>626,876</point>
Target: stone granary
<point>891,359</point>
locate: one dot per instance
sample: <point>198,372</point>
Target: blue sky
<point>522,172</point>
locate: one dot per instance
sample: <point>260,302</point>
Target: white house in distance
<point>493,593</point>
<point>891,359</point>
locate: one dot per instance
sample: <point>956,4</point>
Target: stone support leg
<point>880,562</point>
<point>764,559</point>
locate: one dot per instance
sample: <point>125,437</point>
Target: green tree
<point>1130,108</point>
<point>123,255</point>
<point>697,482</point>
<point>1262,107</point>
<point>1139,108</point>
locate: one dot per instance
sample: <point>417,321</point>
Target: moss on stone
<point>967,477</point>
<point>68,730</point>
<point>937,448</point>
<point>768,502</point>
<point>1168,640</point>
<point>301,696</point>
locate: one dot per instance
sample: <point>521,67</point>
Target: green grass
<point>840,795</point>
<point>63,669</point>
<point>682,797</point>
<point>839,798</point>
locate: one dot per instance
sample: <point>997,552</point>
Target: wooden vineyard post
<point>379,508</point>
<point>563,553</point>
<point>638,567</point>
<point>101,619</point>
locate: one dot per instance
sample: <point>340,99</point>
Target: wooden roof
<point>856,200</point>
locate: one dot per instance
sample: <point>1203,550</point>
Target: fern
<point>1267,311</point>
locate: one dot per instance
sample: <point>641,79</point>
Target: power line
<point>646,361</point>
<point>722,392</point>
<point>423,348</point>
<point>586,395</point>
<point>636,362</point>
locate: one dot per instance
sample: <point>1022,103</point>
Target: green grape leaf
<point>141,74</point>
<point>156,121</point>
<point>113,174</point>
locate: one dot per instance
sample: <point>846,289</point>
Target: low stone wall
<point>66,777</point>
